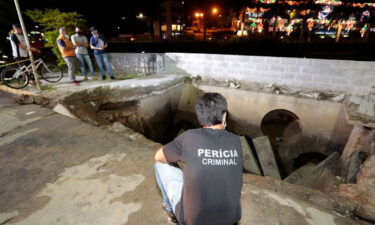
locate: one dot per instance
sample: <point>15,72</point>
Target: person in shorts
<point>207,190</point>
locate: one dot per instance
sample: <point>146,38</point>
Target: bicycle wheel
<point>12,78</point>
<point>51,73</point>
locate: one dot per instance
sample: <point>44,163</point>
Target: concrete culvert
<point>282,125</point>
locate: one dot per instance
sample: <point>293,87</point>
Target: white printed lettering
<point>200,152</point>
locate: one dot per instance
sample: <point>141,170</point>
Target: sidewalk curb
<point>17,91</point>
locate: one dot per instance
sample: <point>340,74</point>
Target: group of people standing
<point>76,47</point>
<point>71,48</point>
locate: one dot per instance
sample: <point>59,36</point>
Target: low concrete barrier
<point>319,74</point>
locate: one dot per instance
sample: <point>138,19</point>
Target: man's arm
<point>93,47</point>
<point>171,152</point>
<point>160,157</point>
<point>14,38</point>
<point>63,45</point>
<point>92,44</point>
<point>79,44</point>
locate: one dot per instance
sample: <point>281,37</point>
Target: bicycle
<point>19,77</point>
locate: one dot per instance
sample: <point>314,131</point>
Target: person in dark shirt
<point>208,189</point>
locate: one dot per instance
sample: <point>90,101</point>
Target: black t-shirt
<point>212,176</point>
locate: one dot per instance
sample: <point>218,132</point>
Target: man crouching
<point>208,189</point>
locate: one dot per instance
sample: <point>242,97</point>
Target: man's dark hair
<point>210,109</point>
<point>16,25</point>
<point>78,27</point>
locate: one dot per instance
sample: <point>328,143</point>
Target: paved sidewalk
<point>56,170</point>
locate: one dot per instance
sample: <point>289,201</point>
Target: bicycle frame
<point>25,69</point>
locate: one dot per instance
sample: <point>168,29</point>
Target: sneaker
<point>113,78</point>
<point>171,216</point>
<point>104,77</point>
<point>75,83</point>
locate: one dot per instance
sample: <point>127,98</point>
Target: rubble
<point>338,98</point>
<point>312,95</point>
<point>277,202</point>
<point>24,99</point>
<point>355,152</point>
<point>363,192</point>
<point>234,85</point>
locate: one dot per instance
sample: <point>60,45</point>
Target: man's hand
<point>160,157</point>
<point>34,50</point>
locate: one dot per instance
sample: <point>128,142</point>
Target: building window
<point>176,27</point>
<point>164,27</point>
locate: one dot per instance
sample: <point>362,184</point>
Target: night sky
<point>106,14</point>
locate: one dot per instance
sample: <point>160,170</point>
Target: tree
<point>51,20</point>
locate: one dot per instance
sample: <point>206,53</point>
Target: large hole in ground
<point>164,116</point>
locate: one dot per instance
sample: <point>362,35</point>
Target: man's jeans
<point>103,58</point>
<point>82,59</point>
<point>170,182</point>
<point>71,62</point>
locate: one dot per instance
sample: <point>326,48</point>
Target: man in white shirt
<point>80,41</point>
<point>18,43</point>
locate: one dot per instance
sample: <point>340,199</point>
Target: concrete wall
<point>336,75</point>
<point>322,118</point>
<point>324,125</point>
<point>137,62</point>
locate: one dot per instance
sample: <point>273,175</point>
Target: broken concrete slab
<point>363,192</point>
<point>266,157</point>
<point>355,152</point>
<point>5,217</point>
<point>309,174</point>
<point>250,162</point>
<point>300,174</point>
<point>61,109</point>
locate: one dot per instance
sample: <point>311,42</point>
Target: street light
<point>215,11</point>
<point>199,14</point>
<point>140,16</point>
